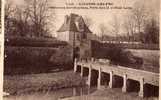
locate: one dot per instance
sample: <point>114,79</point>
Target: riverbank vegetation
<point>19,84</point>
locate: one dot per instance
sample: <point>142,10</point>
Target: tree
<point>130,27</point>
<point>31,20</point>
<point>103,30</point>
<point>9,19</point>
<point>8,9</point>
<point>115,26</point>
<point>152,32</point>
<point>139,15</point>
<point>39,16</point>
<point>16,20</point>
<point>22,18</point>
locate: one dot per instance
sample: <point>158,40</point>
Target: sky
<point>98,17</point>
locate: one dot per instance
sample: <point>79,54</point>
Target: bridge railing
<point>135,74</point>
<point>103,65</point>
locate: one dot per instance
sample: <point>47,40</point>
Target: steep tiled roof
<point>74,23</point>
<point>68,25</point>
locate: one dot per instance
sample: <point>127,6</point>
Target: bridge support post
<point>75,65</point>
<point>124,88</point>
<point>141,92</point>
<point>92,59</point>
<point>111,80</point>
<point>82,70</point>
<point>81,91</point>
<point>74,92</point>
<point>89,76</point>
<point>99,79</point>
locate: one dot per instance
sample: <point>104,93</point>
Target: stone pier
<point>89,76</point>
<point>124,88</point>
<point>141,92</point>
<point>74,92</point>
<point>111,80</point>
<point>99,79</point>
<point>75,65</point>
<point>81,71</point>
<point>114,72</point>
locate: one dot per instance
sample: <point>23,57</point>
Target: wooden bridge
<point>143,77</point>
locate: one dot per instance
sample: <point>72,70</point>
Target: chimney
<point>73,16</point>
<point>66,20</point>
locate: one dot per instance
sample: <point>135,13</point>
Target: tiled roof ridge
<point>70,25</point>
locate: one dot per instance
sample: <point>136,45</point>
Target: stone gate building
<point>76,33</point>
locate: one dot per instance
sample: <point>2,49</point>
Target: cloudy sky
<point>98,16</point>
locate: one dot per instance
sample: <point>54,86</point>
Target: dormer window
<point>81,26</point>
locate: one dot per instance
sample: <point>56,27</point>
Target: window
<point>78,37</point>
<point>84,36</point>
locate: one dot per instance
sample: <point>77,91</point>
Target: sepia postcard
<point>80,49</point>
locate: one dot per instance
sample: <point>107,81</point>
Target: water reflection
<point>53,95</point>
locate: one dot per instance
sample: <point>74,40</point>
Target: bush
<point>23,60</point>
<point>118,55</point>
<point>63,57</point>
<point>33,42</point>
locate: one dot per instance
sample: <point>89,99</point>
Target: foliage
<point>27,59</point>
<point>33,42</point>
<point>115,53</point>
<point>44,82</point>
<point>141,21</point>
<point>63,57</point>
<point>33,20</point>
<point>152,32</point>
<point>118,55</point>
<point>103,30</point>
<point>23,60</point>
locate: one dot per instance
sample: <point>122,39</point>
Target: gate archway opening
<point>77,52</point>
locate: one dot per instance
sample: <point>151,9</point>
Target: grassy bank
<point>20,84</point>
<point>137,58</point>
<point>29,60</point>
<point>117,94</point>
<point>150,59</point>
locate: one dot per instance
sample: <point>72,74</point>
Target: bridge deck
<point>134,74</point>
